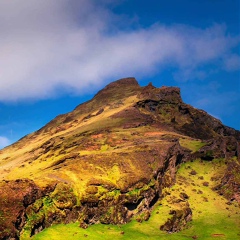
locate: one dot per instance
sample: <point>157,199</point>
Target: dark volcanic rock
<point>16,196</point>
<point>220,147</point>
<point>230,183</point>
<point>180,217</point>
<point>169,95</point>
<point>201,125</point>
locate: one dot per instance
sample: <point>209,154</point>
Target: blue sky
<point>56,54</point>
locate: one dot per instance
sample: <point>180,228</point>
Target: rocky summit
<point>131,154</point>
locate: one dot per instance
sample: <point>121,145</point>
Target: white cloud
<point>4,142</point>
<point>76,45</point>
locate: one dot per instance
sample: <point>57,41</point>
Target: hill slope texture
<point>114,159</point>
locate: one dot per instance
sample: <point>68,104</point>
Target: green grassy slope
<point>213,216</point>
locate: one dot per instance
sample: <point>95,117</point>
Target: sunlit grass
<point>193,145</point>
<point>212,216</point>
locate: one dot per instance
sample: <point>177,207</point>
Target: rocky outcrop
<point>230,182</point>
<point>199,124</point>
<point>180,217</point>
<point>170,95</point>
<point>15,197</point>
<point>37,208</point>
<point>220,147</point>
<point>166,106</point>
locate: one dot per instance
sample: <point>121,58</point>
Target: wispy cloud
<point>4,142</point>
<point>232,62</point>
<point>76,45</point>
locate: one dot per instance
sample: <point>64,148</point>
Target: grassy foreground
<point>213,216</point>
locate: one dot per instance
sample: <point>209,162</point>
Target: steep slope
<point>109,159</point>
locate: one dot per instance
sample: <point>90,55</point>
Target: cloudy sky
<point>55,54</point>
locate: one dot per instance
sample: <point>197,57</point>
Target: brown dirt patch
<point>153,133</point>
<point>218,235</point>
<point>97,136</point>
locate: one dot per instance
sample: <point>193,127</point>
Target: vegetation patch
<point>193,145</point>
<point>211,219</point>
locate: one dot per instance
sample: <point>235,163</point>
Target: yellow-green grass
<point>193,145</point>
<point>213,217</point>
<point>14,161</point>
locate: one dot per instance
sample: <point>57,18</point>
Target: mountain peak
<point>116,155</point>
<point>122,83</point>
<point>121,88</point>
<point>129,81</point>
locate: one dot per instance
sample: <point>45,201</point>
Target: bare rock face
<point>109,161</point>
<point>220,147</point>
<point>170,95</point>
<point>16,197</point>
<point>230,183</point>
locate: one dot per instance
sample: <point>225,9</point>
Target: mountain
<point>114,159</point>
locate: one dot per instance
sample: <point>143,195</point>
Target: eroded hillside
<point>111,160</point>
